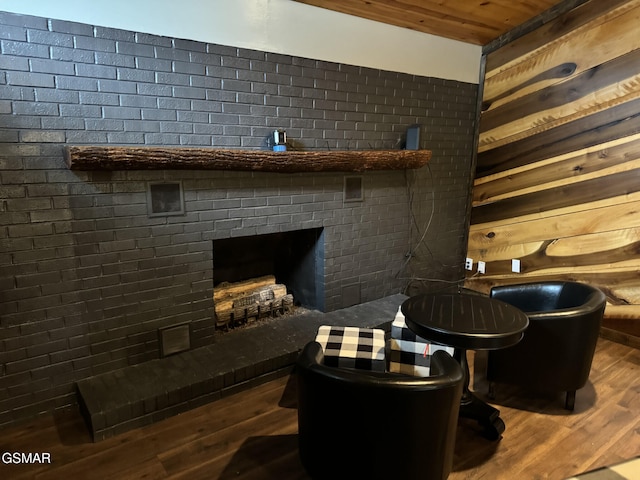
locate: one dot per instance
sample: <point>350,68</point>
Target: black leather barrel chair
<point>375,425</point>
<point>557,349</point>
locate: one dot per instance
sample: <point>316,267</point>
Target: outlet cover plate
<point>468,264</point>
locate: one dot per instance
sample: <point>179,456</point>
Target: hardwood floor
<point>252,435</point>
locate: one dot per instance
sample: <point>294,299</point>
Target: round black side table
<point>467,321</point>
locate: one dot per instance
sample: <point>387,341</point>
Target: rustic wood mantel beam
<point>178,158</point>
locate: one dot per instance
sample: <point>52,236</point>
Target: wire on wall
<point>420,256</point>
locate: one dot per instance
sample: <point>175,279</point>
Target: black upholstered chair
<point>558,346</point>
<point>376,425</point>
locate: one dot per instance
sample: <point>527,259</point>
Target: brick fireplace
<point>90,272</point>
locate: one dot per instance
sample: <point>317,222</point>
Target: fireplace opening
<point>295,259</point>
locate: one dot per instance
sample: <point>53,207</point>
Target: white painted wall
<point>280,26</point>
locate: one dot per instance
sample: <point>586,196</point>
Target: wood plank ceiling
<point>470,21</point>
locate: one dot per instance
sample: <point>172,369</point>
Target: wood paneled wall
<point>558,171</point>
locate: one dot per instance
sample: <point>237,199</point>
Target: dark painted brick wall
<point>87,277</point>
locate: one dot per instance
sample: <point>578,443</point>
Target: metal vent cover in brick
<point>353,189</point>
<point>174,339</point>
<point>165,198</point>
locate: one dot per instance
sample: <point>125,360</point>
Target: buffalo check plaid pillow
<point>353,347</point>
<point>408,353</point>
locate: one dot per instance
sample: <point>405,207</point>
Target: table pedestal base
<point>487,417</point>
<point>472,407</point>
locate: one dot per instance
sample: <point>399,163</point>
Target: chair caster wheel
<point>494,430</point>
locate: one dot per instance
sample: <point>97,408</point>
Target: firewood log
<point>250,299</point>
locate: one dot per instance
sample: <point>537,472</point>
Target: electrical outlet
<point>468,264</point>
<point>515,265</point>
<point>481,266</point>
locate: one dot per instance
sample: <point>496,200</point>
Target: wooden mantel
<point>179,158</point>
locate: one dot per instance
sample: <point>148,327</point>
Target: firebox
<point>295,258</point>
